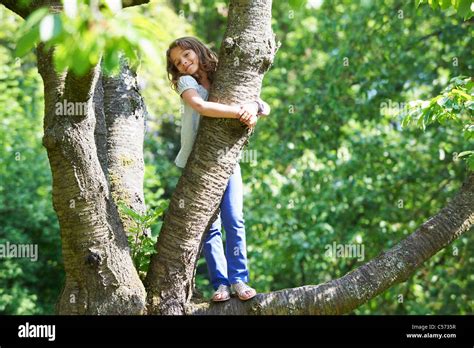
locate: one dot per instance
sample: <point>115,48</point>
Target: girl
<point>191,67</point>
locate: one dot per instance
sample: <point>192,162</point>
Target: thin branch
<point>25,10</point>
<point>130,3</point>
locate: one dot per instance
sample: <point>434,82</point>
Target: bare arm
<point>210,109</point>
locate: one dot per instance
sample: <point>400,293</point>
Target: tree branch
<point>25,10</point>
<point>342,295</point>
<point>130,3</point>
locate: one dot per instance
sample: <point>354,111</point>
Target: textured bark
<point>100,132</point>
<point>100,277</point>
<point>125,114</point>
<point>394,266</point>
<point>247,52</point>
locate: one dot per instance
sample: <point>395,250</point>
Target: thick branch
<point>342,295</point>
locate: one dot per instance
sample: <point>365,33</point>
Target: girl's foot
<point>243,291</point>
<point>221,294</point>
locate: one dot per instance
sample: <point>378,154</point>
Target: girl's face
<point>185,60</point>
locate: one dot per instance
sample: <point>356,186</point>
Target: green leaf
<point>434,4</point>
<point>406,121</point>
<point>445,4</point>
<point>465,153</point>
<point>80,61</point>
<point>130,212</point>
<point>34,18</point>
<point>470,162</point>
<point>464,9</point>
<point>418,3</point>
<point>27,42</point>
<point>111,61</point>
<point>297,3</point>
<point>461,93</point>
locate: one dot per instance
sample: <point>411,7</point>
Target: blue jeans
<point>231,267</point>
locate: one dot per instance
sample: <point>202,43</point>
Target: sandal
<point>221,294</point>
<point>243,291</point>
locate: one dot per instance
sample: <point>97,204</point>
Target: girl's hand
<point>252,122</point>
<point>248,111</point>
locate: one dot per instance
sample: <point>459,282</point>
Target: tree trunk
<point>100,276</point>
<point>394,266</point>
<point>246,54</point>
<point>125,114</point>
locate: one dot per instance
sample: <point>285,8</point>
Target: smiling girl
<point>191,67</point>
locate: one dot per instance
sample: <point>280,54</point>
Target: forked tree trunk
<point>100,276</point>
<point>246,54</point>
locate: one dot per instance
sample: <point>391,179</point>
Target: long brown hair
<point>207,59</point>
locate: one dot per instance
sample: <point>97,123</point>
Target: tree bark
<point>391,267</point>
<point>100,276</point>
<point>84,145</point>
<point>246,54</point>
<point>125,114</point>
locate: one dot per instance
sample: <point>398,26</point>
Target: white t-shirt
<point>190,119</point>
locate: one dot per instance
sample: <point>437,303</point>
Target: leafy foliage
<point>26,212</point>
<point>84,33</point>
<point>463,8</point>
<point>455,105</point>
<point>332,162</point>
<point>141,240</point>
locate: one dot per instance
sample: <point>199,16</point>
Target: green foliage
<point>26,212</point>
<point>464,8</point>
<point>333,164</point>
<point>455,106</point>
<point>141,238</point>
<point>83,33</point>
